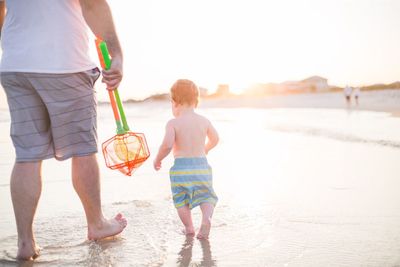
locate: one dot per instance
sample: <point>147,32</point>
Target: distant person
<point>357,93</point>
<point>48,77</point>
<point>191,175</point>
<point>347,93</point>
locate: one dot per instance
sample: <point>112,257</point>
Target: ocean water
<point>297,187</point>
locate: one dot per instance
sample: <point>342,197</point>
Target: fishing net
<point>126,152</point>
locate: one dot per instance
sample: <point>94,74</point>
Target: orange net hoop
<point>126,152</point>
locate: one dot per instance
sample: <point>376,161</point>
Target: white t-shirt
<point>357,92</point>
<point>348,90</point>
<point>45,36</point>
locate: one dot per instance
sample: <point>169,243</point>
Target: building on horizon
<point>311,84</point>
<point>318,83</point>
<point>203,92</point>
<point>223,90</point>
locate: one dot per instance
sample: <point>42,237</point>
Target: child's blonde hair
<point>185,91</point>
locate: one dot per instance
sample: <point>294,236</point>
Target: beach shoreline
<point>387,100</point>
<point>377,100</point>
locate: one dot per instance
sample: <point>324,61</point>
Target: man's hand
<point>113,76</point>
<point>98,17</point>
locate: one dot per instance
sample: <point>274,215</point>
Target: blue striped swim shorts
<point>52,115</point>
<point>191,182</point>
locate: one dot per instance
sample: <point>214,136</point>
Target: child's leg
<point>207,210</point>
<point>186,217</point>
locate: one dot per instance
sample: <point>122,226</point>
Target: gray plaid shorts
<point>52,115</point>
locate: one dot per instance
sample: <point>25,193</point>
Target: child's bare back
<point>191,130</point>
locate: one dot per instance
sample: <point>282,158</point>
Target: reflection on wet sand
<point>16,263</point>
<point>185,254</point>
<point>207,256</point>
<point>98,252</point>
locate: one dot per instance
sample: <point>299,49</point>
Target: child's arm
<point>166,145</point>
<point>213,138</point>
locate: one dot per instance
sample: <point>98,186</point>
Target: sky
<point>244,42</point>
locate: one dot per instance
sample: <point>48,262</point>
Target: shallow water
<point>297,187</point>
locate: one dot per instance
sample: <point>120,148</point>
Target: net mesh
<point>126,152</point>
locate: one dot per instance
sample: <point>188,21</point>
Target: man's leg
<point>26,187</point>
<point>186,217</point>
<point>86,181</point>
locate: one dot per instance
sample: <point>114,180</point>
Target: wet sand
<point>297,187</point>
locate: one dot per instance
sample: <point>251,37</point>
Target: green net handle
<point>121,110</point>
<point>107,63</point>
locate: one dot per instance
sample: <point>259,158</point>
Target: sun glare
<point>245,42</point>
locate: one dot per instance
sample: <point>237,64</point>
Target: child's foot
<point>189,231</point>
<point>204,230</point>
<point>27,251</point>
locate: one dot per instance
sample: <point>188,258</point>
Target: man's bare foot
<point>107,228</point>
<point>27,251</point>
<point>204,230</point>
